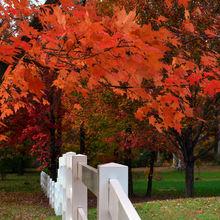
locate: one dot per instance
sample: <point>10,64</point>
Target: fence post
<point>79,190</point>
<point>69,157</point>
<point>106,172</point>
<point>50,191</point>
<point>58,194</point>
<point>62,161</point>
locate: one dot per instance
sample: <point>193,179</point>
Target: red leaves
<point>184,2</point>
<point>211,87</point>
<point>194,78</point>
<point>61,18</point>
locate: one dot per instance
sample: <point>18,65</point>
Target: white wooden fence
<point>68,196</point>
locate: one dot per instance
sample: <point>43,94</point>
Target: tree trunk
<point>189,178</point>
<point>53,150</point>
<point>130,178</point>
<point>150,175</point>
<point>54,98</point>
<point>21,164</point>
<point>189,162</point>
<point>82,139</point>
<point>59,117</point>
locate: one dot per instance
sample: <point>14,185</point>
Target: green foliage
<point>142,159</point>
<point>6,157</point>
<point>217,160</point>
<point>10,161</point>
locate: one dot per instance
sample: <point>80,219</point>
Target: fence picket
<point>68,195</point>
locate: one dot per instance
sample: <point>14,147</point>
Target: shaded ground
<point>22,206</point>
<point>21,198</point>
<point>24,198</point>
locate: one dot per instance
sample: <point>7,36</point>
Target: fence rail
<point>68,196</point>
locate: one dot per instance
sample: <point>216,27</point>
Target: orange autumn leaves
<point>77,44</point>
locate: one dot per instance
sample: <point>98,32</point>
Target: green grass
<point>198,208</point>
<point>27,183</point>
<point>21,197</point>
<point>173,183</point>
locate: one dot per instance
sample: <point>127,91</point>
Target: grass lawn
<point>198,208</point>
<point>172,182</point>
<point>22,198</point>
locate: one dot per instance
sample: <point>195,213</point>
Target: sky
<point>36,2</point>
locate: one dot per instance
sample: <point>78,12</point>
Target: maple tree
<point>194,58</point>
<point>156,62</point>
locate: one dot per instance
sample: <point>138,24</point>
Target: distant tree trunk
<point>150,175</point>
<point>189,178</point>
<point>21,164</point>
<point>130,178</point>
<point>82,138</point>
